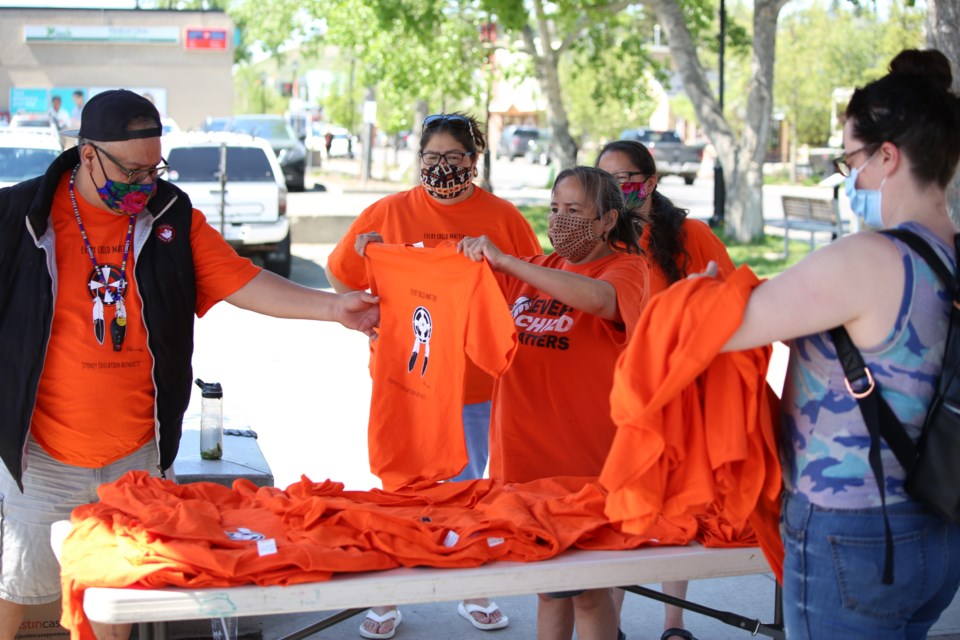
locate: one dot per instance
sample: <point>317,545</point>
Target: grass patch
<point>536,215</point>
<point>764,256</point>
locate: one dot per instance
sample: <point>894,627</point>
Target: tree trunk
<point>413,141</point>
<point>742,161</point>
<point>943,33</point>
<point>545,64</point>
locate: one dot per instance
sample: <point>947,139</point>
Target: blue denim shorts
<point>29,571</point>
<point>834,564</point>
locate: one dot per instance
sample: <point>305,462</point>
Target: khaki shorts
<point>29,570</point>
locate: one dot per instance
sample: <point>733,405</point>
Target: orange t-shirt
<point>702,245</point>
<point>413,217</point>
<point>436,307</point>
<point>96,405</point>
<point>551,409</point>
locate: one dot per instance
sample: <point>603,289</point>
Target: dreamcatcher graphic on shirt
<point>107,286</point>
<point>422,330</point>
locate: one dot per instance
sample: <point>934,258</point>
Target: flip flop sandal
<point>465,610</point>
<point>393,614</point>
<point>676,631</point>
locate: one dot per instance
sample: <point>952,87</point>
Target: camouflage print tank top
<point>825,441</point>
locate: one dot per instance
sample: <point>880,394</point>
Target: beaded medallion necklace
<point>118,327</point>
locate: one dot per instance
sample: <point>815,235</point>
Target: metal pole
<point>223,186</point>
<point>719,188</point>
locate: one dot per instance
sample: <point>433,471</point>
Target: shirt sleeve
<point>220,272</point>
<point>703,245</point>
<point>344,262</point>
<point>491,337</point>
<point>630,280</point>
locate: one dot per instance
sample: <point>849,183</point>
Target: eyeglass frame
<point>628,174</point>
<point>841,163</point>
<point>154,173</point>
<point>443,157</point>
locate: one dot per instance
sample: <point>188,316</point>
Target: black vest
<point>166,283</point>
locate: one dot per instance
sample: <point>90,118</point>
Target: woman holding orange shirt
<point>574,310</point>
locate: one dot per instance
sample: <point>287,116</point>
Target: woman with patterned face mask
<point>676,246</point>
<point>446,205</point>
<point>574,311</point>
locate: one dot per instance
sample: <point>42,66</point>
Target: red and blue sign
<point>206,39</point>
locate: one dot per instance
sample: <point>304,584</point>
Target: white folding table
<point>354,593</point>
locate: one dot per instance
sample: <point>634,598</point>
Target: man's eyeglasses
<point>624,176</point>
<point>135,176</point>
<point>842,164</point>
<point>453,158</point>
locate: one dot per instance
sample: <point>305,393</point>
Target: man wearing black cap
<point>103,268</point>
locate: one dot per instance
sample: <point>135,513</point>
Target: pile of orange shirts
<point>153,533</point>
<point>696,440</point>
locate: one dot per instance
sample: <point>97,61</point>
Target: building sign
<point>205,39</point>
<point>101,34</point>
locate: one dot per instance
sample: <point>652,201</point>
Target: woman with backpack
<point>901,147</point>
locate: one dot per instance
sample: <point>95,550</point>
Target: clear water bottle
<point>211,420</point>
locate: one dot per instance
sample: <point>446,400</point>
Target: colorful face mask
<point>572,236</point>
<point>865,203</point>
<point>123,197</point>
<point>634,194</point>
<point>444,181</point>
<point>126,198</point>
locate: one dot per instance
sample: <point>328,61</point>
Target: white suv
<point>254,196</point>
<point>26,153</point>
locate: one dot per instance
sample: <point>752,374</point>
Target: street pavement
<point>304,387</point>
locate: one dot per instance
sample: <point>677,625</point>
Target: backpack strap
<point>878,417</point>
<point>950,279</point>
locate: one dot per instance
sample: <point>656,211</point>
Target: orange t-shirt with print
<point>413,217</point>
<point>96,405</point>
<point>701,244</point>
<point>436,308</point>
<point>551,409</point>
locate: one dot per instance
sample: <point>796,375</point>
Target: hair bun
<point>929,64</point>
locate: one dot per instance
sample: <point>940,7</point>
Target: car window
<point>17,165</point>
<point>269,129</point>
<point>202,164</point>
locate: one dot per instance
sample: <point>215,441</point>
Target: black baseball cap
<point>107,116</point>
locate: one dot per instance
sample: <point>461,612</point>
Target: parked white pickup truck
<point>673,157</point>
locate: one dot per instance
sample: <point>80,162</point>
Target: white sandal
<point>393,614</point>
<point>465,610</point>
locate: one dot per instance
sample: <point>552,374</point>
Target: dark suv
<point>516,141</point>
<point>290,151</point>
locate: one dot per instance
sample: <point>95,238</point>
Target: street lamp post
<point>719,188</point>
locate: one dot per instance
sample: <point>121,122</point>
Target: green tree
<point>407,51</point>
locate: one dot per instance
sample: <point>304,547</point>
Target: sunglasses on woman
<point>455,121</point>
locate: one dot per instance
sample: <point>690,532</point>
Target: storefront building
<point>181,60</point>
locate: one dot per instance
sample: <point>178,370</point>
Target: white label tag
<point>495,542</point>
<point>267,547</point>
<point>451,538</point>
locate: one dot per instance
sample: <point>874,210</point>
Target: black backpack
<point>932,464</point>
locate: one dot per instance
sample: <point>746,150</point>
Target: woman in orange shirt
<point>675,246</point>
<point>575,310</point>
<point>447,205</point>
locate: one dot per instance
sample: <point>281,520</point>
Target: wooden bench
<point>809,215</point>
